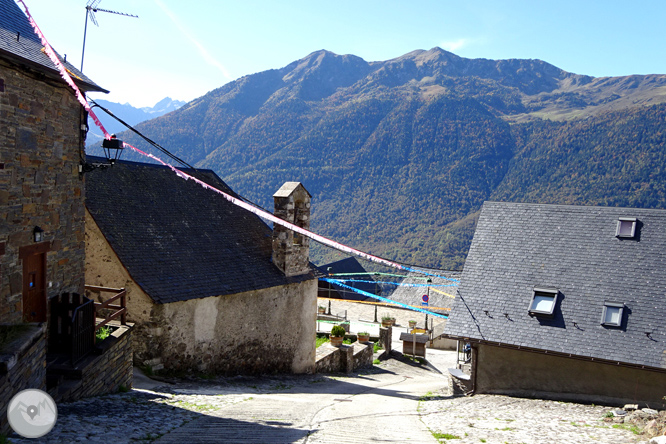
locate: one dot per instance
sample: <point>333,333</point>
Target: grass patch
<point>192,406</point>
<point>321,339</point>
<point>376,347</point>
<point>10,332</point>
<point>376,362</point>
<point>439,435</point>
<point>632,428</point>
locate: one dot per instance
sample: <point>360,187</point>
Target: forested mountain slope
<point>399,155</point>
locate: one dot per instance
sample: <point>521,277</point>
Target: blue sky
<point>184,49</point>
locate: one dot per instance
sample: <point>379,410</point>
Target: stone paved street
<point>397,401</point>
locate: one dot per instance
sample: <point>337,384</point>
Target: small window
<point>543,302</point>
<point>611,315</point>
<point>626,227</point>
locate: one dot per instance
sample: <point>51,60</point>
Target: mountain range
<point>129,114</point>
<point>399,155</point>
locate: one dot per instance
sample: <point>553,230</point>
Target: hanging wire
<point>162,149</point>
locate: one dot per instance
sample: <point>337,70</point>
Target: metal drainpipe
<point>475,359</point>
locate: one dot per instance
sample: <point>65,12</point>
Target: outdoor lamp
<point>38,234</point>
<point>112,147</point>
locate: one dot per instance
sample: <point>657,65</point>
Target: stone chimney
<point>291,251</point>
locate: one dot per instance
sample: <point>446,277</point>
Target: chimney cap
<point>288,188</point>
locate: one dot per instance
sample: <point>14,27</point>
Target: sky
<point>183,49</point>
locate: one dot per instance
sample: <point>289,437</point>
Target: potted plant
<point>386,321</point>
<point>337,335</point>
<point>392,321</point>
<point>363,336</point>
<point>412,324</point>
<point>321,309</point>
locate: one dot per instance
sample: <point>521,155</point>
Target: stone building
<point>42,213</point>
<point>566,302</point>
<point>203,289</point>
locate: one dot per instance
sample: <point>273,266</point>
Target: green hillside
<point>400,155</point>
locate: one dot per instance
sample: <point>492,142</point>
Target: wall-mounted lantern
<point>38,234</point>
<point>113,149</point>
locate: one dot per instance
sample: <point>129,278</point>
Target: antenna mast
<point>91,9</point>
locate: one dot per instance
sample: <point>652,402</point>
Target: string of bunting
<point>400,284</point>
<point>391,275</point>
<point>261,213</point>
<point>64,72</point>
<point>381,298</point>
<point>440,291</point>
<point>383,304</point>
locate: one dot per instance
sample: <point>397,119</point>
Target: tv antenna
<point>91,9</point>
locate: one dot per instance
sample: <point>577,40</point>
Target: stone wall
<point>344,359</point>
<point>363,355</point>
<point>291,251</point>
<point>22,366</point>
<point>39,183</point>
<point>521,373</point>
<point>103,373</point>
<point>263,331</point>
<point>386,338</point>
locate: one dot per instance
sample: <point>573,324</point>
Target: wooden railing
<point>120,309</point>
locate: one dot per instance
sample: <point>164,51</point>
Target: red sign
<point>425,298</point>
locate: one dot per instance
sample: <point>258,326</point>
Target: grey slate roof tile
<point>177,240</point>
<point>18,41</point>
<point>519,246</point>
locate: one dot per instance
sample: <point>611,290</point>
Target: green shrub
<point>102,333</point>
<point>338,330</point>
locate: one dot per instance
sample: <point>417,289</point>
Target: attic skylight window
<point>543,302</point>
<point>612,314</point>
<point>626,227</point>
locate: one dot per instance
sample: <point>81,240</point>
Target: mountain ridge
<point>399,155</point>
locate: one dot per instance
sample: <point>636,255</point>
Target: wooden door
<point>34,288</point>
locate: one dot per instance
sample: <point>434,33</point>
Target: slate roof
<point>18,42</point>
<point>347,265</point>
<point>177,240</point>
<point>517,247</point>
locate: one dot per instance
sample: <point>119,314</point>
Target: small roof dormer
<point>626,227</point>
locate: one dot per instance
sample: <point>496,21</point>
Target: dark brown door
<point>34,288</point>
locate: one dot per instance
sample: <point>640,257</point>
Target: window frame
<point>604,313</point>
<point>544,291</point>
<point>622,220</point>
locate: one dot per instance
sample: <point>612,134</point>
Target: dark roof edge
<point>51,72</point>
<point>599,207</point>
<point>558,354</point>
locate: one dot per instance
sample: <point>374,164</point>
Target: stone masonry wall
<point>22,366</point>
<point>108,372</point>
<point>264,331</point>
<point>39,183</point>
<point>291,251</point>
